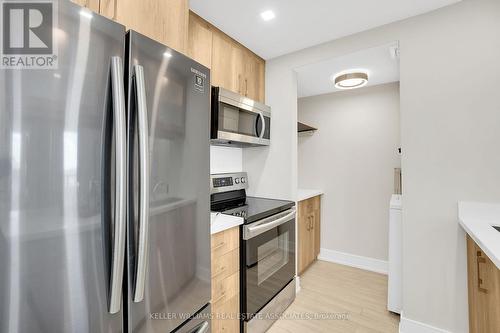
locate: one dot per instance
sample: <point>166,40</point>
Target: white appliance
<point>394,297</point>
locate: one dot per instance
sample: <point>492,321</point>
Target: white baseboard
<point>369,264</point>
<point>411,326</point>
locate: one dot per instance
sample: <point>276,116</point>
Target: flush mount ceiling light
<point>351,80</point>
<point>268,15</point>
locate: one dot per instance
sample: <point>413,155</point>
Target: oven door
<point>237,119</point>
<point>269,259</point>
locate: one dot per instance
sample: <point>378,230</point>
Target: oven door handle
<point>257,228</point>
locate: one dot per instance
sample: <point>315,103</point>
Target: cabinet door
<point>306,237</point>
<point>253,77</point>
<point>484,291</point>
<point>199,40</point>
<point>317,226</point>
<point>165,21</point>
<point>222,61</point>
<point>239,68</point>
<point>90,4</point>
<point>225,280</point>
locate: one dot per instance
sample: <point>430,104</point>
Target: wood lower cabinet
<point>165,21</point>
<point>226,281</point>
<point>309,222</point>
<point>484,291</point>
<point>90,4</point>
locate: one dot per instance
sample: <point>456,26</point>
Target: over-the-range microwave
<point>238,120</point>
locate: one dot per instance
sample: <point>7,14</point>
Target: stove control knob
<point>243,180</point>
<point>236,180</point>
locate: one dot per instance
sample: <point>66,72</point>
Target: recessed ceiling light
<point>351,80</point>
<point>267,15</point>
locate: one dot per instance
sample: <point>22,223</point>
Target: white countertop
<point>478,220</point>
<point>304,194</point>
<point>220,222</point>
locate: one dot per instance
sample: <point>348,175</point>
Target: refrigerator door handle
<point>118,250</point>
<point>143,243</point>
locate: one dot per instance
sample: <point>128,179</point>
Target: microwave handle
<point>263,131</point>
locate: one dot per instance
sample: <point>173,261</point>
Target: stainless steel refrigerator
<point>104,186</point>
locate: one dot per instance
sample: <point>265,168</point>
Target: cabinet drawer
<point>225,241</point>
<point>225,288</point>
<point>225,315</point>
<point>310,205</point>
<point>225,265</point>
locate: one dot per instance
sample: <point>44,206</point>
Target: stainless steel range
<point>267,250</point>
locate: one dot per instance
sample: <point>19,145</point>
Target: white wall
<point>225,159</point>
<point>352,158</point>
<point>272,170</point>
<point>450,133</point>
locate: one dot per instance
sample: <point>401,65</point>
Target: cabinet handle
<point>480,282</point>
<point>246,87</point>
<point>310,223</point>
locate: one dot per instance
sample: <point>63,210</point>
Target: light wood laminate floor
<point>332,288</point>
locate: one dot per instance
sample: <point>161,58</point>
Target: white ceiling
<point>300,23</point>
<point>317,78</point>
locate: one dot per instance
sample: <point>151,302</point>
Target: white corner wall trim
<point>411,326</point>
<point>369,264</point>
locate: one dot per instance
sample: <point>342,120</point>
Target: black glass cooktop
<point>253,209</point>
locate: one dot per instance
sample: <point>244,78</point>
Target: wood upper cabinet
<point>247,73</point>
<point>200,40</point>
<point>90,4</point>
<point>233,66</point>
<point>309,220</point>
<point>484,291</point>
<point>165,21</point>
<point>224,64</point>
<point>253,77</point>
